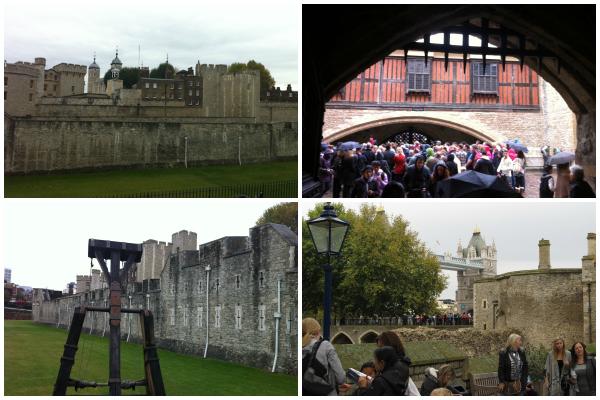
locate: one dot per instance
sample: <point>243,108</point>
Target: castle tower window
<point>72,89</point>
<point>484,304</point>
<point>189,92</point>
<point>180,86</point>
<point>261,279</point>
<point>484,82</point>
<point>6,81</point>
<point>197,83</point>
<point>261,317</point>
<point>418,76</point>
<point>190,83</point>
<point>200,315</point>
<point>238,317</point>
<point>45,87</point>
<point>172,85</point>
<point>217,284</point>
<point>197,102</point>
<point>237,281</point>
<point>30,83</point>
<point>30,96</point>
<point>172,316</point>
<point>55,87</point>
<point>197,93</point>
<point>185,316</point>
<point>290,321</point>
<point>147,85</point>
<point>217,316</point>
<point>154,85</point>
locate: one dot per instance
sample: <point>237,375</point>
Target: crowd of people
<point>416,169</point>
<point>450,318</point>
<point>566,373</point>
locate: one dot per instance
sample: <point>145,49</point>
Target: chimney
<point>544,246</point>
<point>591,239</point>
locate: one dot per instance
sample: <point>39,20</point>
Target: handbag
<point>315,380</point>
<point>565,384</point>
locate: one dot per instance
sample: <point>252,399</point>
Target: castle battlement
<point>184,240</point>
<point>73,68</point>
<point>219,68</point>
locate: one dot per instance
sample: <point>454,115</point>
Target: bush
<point>536,358</point>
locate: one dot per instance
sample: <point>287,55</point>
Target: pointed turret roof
<point>93,65</point>
<point>116,59</point>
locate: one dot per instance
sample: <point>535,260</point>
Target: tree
<point>384,269</point>
<point>266,79</point>
<point>282,213</point>
<point>129,76</point>
<point>161,71</point>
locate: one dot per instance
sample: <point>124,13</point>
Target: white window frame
<point>262,312</point>
<point>238,317</point>
<point>172,316</point>
<point>218,316</point>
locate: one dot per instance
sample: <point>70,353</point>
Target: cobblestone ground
<point>532,184</point>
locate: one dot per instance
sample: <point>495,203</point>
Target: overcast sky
<point>516,228</point>
<point>45,241</point>
<point>215,32</point>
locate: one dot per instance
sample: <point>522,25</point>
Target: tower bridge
<point>450,263</point>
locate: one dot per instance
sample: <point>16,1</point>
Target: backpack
<point>315,379</point>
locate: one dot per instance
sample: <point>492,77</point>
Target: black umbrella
<point>475,184</point>
<point>564,157</point>
<point>517,146</point>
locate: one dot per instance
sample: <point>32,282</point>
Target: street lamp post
<point>328,233</point>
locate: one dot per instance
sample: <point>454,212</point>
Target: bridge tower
<point>476,250</point>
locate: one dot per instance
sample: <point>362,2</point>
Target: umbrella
<point>517,146</point>
<point>475,184</point>
<point>348,146</point>
<point>564,157</point>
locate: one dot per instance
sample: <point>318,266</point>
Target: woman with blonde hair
<point>557,369</point>
<point>512,367</point>
<point>322,370</point>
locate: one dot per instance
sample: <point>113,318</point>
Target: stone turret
<point>544,249</point>
<point>588,278</point>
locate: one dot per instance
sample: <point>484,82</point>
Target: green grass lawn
<point>431,351</point>
<point>32,356</point>
<point>133,181</point>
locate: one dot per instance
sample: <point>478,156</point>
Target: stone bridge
<point>353,334</point>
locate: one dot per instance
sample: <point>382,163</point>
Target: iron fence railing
<point>268,189</point>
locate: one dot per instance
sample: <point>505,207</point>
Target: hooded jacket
<point>392,381</point>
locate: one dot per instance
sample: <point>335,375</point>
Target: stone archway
<point>342,338</point>
<point>404,118</point>
<point>365,34</point>
<point>368,337</point>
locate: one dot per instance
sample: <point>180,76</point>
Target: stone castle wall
<point>242,301</point>
<point>553,309</point>
<point>53,144</point>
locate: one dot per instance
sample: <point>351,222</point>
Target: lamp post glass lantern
<point>328,233</point>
